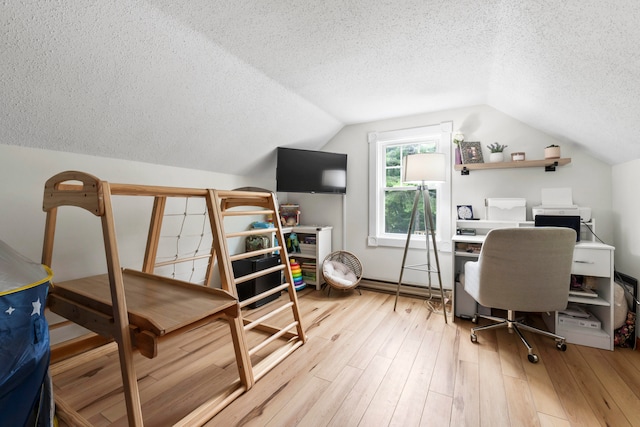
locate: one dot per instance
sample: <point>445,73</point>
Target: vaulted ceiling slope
<point>217,85</point>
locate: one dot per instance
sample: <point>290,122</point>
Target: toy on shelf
<point>289,214</point>
<point>296,272</point>
<point>293,244</point>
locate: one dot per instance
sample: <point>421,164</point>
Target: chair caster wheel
<point>533,358</point>
<point>561,346</point>
<point>474,338</point>
<point>474,320</point>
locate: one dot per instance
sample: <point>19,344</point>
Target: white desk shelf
<point>483,226</point>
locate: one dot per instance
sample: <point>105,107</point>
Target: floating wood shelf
<point>548,164</point>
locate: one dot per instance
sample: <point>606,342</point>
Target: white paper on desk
<point>557,197</point>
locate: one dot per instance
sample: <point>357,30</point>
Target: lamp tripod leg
<point>431,231</point>
<point>414,212</point>
<point>426,213</point>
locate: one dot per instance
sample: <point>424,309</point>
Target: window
<point>399,196</point>
<point>391,200</point>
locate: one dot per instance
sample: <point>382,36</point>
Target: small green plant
<point>552,145</point>
<point>496,148</point>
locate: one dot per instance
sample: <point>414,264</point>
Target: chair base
<point>515,325</point>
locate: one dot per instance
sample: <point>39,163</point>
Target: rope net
<point>185,240</point>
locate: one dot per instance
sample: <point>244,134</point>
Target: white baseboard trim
<point>405,289</point>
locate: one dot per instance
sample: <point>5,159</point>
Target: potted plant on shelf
<point>552,152</point>
<point>497,154</point>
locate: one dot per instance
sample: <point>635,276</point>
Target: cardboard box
<point>590,322</point>
<point>506,209</point>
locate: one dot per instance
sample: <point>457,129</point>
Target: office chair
<point>522,269</point>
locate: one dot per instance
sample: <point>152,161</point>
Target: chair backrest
<point>526,269</point>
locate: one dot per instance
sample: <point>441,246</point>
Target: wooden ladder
<point>263,352</point>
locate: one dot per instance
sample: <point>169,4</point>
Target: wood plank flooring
<point>366,365</point>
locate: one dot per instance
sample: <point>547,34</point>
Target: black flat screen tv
<point>308,171</point>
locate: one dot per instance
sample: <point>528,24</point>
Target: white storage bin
<point>506,209</point>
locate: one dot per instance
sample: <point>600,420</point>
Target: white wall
<point>626,231</point>
<point>78,247</point>
<point>24,172</point>
<point>590,180</point>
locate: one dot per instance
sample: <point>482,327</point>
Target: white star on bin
<point>10,310</point>
<point>36,307</point>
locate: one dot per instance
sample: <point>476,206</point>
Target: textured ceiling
<point>217,85</point>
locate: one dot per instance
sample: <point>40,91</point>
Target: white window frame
<point>378,141</point>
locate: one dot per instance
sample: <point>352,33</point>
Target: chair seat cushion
<point>339,274</point>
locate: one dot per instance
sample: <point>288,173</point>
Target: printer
<point>559,201</point>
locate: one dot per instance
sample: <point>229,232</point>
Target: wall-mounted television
<point>308,171</point>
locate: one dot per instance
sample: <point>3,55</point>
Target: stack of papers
<point>557,198</point>
<point>574,310</point>
<point>583,292</point>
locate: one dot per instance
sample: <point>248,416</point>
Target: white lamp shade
<point>424,167</point>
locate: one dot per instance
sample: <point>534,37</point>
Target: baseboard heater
<point>407,289</point>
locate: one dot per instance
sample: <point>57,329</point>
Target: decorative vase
<point>496,157</point>
<point>552,153</point>
<point>458,156</point>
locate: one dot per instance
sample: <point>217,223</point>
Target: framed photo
<point>465,212</point>
<point>471,152</point>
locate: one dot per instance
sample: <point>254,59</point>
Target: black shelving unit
<point>250,288</point>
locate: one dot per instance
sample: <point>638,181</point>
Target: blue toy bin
<point>26,397</point>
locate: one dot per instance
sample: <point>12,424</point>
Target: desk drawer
<point>591,262</point>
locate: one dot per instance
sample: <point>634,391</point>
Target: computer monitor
<point>569,221</point>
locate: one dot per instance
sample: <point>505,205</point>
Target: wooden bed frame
<point>138,308</point>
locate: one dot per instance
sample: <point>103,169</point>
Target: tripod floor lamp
<point>421,168</point>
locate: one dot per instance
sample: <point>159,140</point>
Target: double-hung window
<point>391,200</point>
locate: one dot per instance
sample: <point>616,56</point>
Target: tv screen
<point>308,171</point>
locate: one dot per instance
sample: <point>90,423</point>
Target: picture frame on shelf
<point>471,152</point>
<point>465,212</point>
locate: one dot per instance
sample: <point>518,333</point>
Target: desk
<point>589,259</point>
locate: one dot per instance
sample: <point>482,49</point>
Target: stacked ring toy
<point>296,272</point>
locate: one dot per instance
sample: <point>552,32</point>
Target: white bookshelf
<point>311,253</point>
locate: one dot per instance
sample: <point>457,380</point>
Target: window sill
<point>417,242</point>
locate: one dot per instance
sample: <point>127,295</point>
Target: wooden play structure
<point>138,308</point>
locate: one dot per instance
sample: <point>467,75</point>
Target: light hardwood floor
<point>366,365</point>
